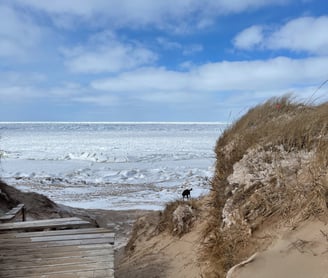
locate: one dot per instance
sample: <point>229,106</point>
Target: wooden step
<point>35,225</point>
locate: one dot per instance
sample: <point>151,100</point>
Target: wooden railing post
<point>23,214</point>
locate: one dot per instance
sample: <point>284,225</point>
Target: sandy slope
<point>302,252</point>
<point>162,255</point>
<point>296,252</point>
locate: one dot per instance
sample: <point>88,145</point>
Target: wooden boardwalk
<point>85,252</point>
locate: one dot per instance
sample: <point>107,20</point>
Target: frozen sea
<point>109,165</point>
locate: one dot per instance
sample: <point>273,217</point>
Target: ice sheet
<point>109,165</point>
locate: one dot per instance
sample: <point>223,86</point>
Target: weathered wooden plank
<point>29,250</point>
<point>49,220</point>
<point>85,265</point>
<point>107,250</point>
<point>45,224</point>
<point>69,266</point>
<point>6,217</point>
<point>54,232</point>
<point>54,262</point>
<point>33,245</point>
<point>54,237</point>
<point>13,214</point>
<point>108,273</point>
<point>61,269</point>
<point>17,209</point>
<point>73,237</point>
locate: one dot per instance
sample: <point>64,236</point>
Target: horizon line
<point>114,122</point>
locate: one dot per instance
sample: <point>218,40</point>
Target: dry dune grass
<point>166,220</point>
<point>156,223</point>
<point>278,130</point>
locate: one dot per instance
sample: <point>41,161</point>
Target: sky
<point>163,60</point>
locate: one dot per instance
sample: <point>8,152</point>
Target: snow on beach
<point>109,165</point>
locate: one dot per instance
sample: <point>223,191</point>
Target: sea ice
<point>109,166</point>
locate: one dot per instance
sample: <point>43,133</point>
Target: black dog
<point>186,193</point>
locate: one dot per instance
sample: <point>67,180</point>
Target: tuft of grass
<point>156,222</point>
<point>166,222</point>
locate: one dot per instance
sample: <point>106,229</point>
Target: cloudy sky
<point>163,60</point>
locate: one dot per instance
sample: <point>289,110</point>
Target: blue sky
<point>164,60</point>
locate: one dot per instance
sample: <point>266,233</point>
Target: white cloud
<point>105,53</point>
<point>249,38</point>
<point>168,44</point>
<point>302,34</point>
<point>144,80</point>
<point>219,78</point>
<point>187,49</point>
<point>66,90</point>
<point>306,34</point>
<point>160,13</point>
<point>18,34</point>
<point>22,78</point>
<point>18,93</point>
<point>238,84</point>
<point>236,6</point>
<point>20,86</point>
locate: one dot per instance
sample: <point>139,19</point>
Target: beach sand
<point>301,252</point>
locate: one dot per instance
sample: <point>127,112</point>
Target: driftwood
<point>15,213</point>
<point>243,263</point>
